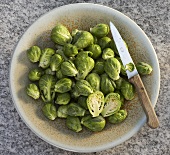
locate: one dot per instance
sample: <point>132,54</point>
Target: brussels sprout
<point>49,71</point>
<point>104,42</point>
<point>63,99</point>
<point>119,83</point>
<point>94,81</point>
<point>82,102</point>
<point>99,67</point>
<point>49,110</point>
<point>96,50</point>
<point>62,111</point>
<point>143,68</point>
<point>93,123</point>
<point>68,68</point>
<point>75,110</point>
<point>60,35</point>
<point>55,62</point>
<point>122,99</point>
<point>34,54</point>
<point>107,53</point>
<point>118,117</point>
<point>33,91</point>
<point>82,87</point>
<point>46,57</point>
<point>35,74</point>
<point>73,123</point>
<point>84,40</point>
<point>100,30</point>
<point>70,50</point>
<point>112,104</point>
<point>75,34</point>
<point>130,67</point>
<point>84,64</point>
<point>59,75</point>
<point>107,85</point>
<point>112,67</point>
<point>122,70</point>
<point>46,85</point>
<point>128,90</point>
<point>63,85</point>
<point>95,103</point>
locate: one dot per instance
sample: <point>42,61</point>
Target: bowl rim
<point>128,135</point>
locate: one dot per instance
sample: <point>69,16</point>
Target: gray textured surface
<point>152,16</point>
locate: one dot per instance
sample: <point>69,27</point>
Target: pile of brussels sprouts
<point>80,79</point>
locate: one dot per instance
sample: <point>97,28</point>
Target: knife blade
<point>134,78</point>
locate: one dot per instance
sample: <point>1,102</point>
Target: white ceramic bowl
<point>81,16</point>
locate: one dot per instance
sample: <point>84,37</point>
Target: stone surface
<point>151,15</point>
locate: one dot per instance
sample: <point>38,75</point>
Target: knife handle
<point>152,119</point>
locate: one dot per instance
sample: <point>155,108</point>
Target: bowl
<point>81,16</point>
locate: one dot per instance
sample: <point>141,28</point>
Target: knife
<point>134,78</point>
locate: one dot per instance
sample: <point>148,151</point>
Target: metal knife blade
<point>122,49</point>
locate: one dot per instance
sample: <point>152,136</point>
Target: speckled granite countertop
<point>152,16</point>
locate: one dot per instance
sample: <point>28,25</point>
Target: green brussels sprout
<point>82,102</point>
<point>143,68</point>
<point>82,87</point>
<point>118,117</point>
<point>55,62</point>
<point>84,39</point>
<point>130,67</point>
<point>33,91</point>
<point>75,110</point>
<point>108,53</point>
<point>73,123</point>
<point>63,99</point>
<point>84,64</point>
<point>96,50</point>
<point>46,57</point>
<point>122,70</point>
<point>122,99</point>
<point>99,67</point>
<point>59,75</point>
<point>112,67</point>
<point>34,54</point>
<point>63,85</point>
<point>70,50</point>
<point>100,30</point>
<point>62,111</point>
<point>119,83</point>
<point>75,34</point>
<point>46,85</point>
<point>112,104</point>
<point>49,111</point>
<point>49,71</point>
<point>114,48</point>
<point>107,85</point>
<point>93,123</point>
<point>35,74</point>
<point>95,103</point>
<point>68,68</point>
<point>104,42</point>
<point>94,81</point>
<point>61,35</point>
<point>128,90</point>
